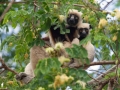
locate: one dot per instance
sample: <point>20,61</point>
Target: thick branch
<point>6,67</point>
<point>102,84</point>
<point>110,84</point>
<point>6,10</point>
<point>99,78</point>
<point>98,63</point>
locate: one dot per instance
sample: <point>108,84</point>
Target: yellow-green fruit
<point>59,46</point>
<point>33,34</point>
<point>112,14</point>
<point>62,59</point>
<point>26,56</point>
<point>57,81</point>
<point>10,44</point>
<point>114,38</point>
<point>61,18</point>
<point>71,78</point>
<point>55,7</point>
<point>49,50</point>
<point>10,82</point>
<point>60,80</point>
<point>117,13</point>
<point>50,85</point>
<point>63,78</point>
<point>104,11</point>
<point>40,88</point>
<point>86,18</point>
<point>102,23</point>
<point>83,84</point>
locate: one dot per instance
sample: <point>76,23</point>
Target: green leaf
<point>41,11</point>
<point>67,31</point>
<point>45,5</point>
<point>101,36</point>
<point>44,66</point>
<point>112,74</point>
<point>79,53</point>
<point>56,63</point>
<point>48,64</point>
<point>42,43</point>
<point>48,23</point>
<point>28,36</point>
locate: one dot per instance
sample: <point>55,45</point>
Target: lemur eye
<point>68,15</point>
<point>76,17</point>
<point>86,29</point>
<point>81,29</point>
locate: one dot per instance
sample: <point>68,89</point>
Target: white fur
<point>82,25</point>
<point>91,53</point>
<point>29,70</point>
<point>76,12</point>
<point>89,47</point>
<point>36,53</point>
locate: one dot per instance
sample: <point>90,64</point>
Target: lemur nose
<point>71,20</point>
<point>72,17</point>
<point>84,32</point>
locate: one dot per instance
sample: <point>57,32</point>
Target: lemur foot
<point>24,78</point>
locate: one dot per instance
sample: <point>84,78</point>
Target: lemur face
<point>83,32</point>
<point>72,19</point>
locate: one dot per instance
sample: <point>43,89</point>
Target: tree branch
<point>78,5</point>
<point>102,84</point>
<point>98,63</point>
<point>2,71</point>
<point>110,84</point>
<point>107,5</point>
<point>99,78</point>
<point>6,10</point>
<point>6,67</point>
<point>1,67</point>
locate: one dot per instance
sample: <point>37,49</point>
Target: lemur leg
<point>76,63</point>
<point>36,53</point>
<point>27,75</point>
<point>69,45</point>
<point>29,70</point>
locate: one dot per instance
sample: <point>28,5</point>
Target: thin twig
<point>102,65</point>
<point>6,10</point>
<point>100,73</point>
<point>93,78</point>
<point>13,2</point>
<point>101,1</point>
<point>107,5</point>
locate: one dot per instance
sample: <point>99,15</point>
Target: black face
<point>72,19</point>
<point>83,32</point>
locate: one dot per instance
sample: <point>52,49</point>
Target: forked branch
<point>5,67</point>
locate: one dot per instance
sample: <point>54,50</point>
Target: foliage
<point>35,19</point>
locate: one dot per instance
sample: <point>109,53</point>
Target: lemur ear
<point>90,26</point>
